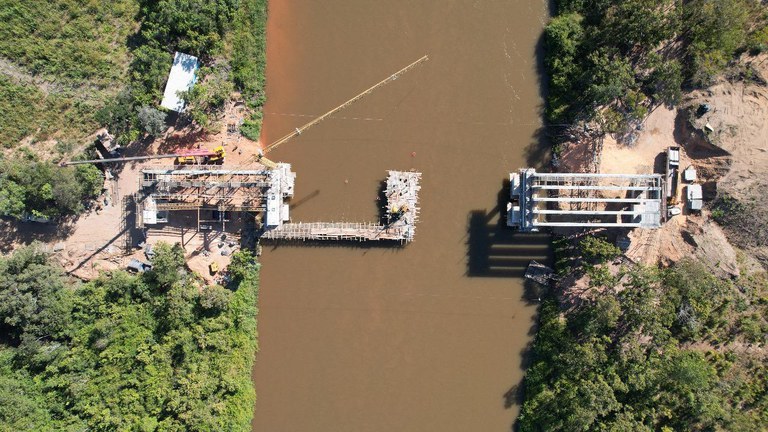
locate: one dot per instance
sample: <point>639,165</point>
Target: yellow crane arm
<point>298,131</point>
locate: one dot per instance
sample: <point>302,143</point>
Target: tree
<point>716,30</point>
<point>33,299</point>
<point>563,37</point>
<point>611,76</point>
<point>151,120</point>
<point>91,180</point>
<point>643,23</point>
<point>12,197</point>
<point>596,250</point>
<point>215,298</point>
<point>205,100</point>
<point>666,80</point>
<point>167,265</point>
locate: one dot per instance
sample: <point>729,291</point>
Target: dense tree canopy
<point>648,353</point>
<point>156,352</point>
<point>599,50</point>
<point>31,186</point>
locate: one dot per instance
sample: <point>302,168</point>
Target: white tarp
<point>181,78</point>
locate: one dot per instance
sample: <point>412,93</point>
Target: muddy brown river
<point>431,336</point>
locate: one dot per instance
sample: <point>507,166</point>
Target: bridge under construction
<point>585,200</point>
<point>265,194</point>
<point>401,213</point>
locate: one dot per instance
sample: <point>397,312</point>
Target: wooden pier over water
<point>402,196</point>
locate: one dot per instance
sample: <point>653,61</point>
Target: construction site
<point>585,200</point>
<point>215,198</point>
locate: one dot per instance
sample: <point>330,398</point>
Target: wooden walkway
<point>349,231</point>
<point>401,212</point>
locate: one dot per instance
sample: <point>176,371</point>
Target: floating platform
<point>402,212</point>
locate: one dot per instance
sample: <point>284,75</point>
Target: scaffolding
<point>401,210</point>
<point>222,190</point>
<point>585,200</point>
<point>216,189</point>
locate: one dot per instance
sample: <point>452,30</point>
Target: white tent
<point>181,78</point>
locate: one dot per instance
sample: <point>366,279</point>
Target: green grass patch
<point>81,42</point>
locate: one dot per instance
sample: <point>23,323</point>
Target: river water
<point>431,336</point>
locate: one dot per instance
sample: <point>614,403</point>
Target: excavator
<point>216,156</point>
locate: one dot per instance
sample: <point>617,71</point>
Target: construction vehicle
<point>186,160</point>
<point>298,131</point>
<point>217,155</point>
<point>186,157</point>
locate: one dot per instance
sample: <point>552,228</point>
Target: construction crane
<point>260,157</point>
<point>215,156</point>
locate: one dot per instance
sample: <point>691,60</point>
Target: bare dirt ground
<point>739,122</point>
<point>728,146</point>
<point>105,238</point>
<point>641,158</point>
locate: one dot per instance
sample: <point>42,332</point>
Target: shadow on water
<point>495,250</point>
<point>383,219</point>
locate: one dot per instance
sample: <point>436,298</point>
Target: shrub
<point>594,250</point>
<point>151,120</point>
<point>28,185</point>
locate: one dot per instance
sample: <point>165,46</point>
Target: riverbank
<point>669,333</point>
<point>434,331</point>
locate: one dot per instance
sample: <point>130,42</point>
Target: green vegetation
<point>87,65</point>
<point>662,350</point>
<point>79,42</point>
<point>64,60</point>
<point>625,55</point>
<point>153,352</point>
<point>151,120</point>
<point>207,99</point>
<point>249,60</point>
<point>229,38</point>
<point>77,65</point>
<point>26,111</point>
<point>29,186</point>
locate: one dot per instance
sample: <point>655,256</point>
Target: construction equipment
<point>187,157</point>
<point>298,131</point>
<point>186,160</point>
<point>217,155</point>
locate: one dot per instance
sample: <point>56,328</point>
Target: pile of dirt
<point>728,142</point>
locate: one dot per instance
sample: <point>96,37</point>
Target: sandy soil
<point>652,142</point>
<point>732,157</point>
<point>739,119</point>
<point>105,238</point>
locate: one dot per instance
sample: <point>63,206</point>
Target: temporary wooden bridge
<point>402,211</point>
